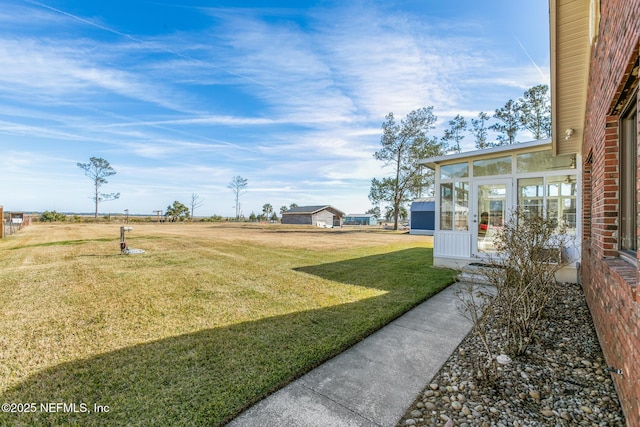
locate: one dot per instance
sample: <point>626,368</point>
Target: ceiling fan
<point>572,164</point>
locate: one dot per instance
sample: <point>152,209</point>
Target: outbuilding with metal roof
<point>321,216</point>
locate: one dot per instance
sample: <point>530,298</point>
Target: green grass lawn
<point>206,322</point>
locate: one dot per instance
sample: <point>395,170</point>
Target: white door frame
<point>475,214</point>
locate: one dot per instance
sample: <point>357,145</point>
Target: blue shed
<point>423,216</point>
<point>360,219</point>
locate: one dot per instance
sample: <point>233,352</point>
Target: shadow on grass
<point>208,377</point>
<point>407,268</point>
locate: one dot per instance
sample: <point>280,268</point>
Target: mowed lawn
<point>210,319</point>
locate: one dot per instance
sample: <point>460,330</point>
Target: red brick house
<point>595,46</point>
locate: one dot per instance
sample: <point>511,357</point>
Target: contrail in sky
<point>545,78</point>
<point>179,54</point>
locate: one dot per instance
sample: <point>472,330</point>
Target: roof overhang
<point>573,27</point>
<point>312,210</point>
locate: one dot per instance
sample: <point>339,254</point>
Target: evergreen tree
<point>99,170</point>
<point>374,211</point>
<point>454,134</point>
<point>403,145</point>
<point>509,122</point>
<point>177,212</point>
<point>267,210</point>
<point>479,131</point>
<point>535,111</point>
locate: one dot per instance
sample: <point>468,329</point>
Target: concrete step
<point>476,272</point>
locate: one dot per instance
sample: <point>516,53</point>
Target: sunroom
<point>477,191</point>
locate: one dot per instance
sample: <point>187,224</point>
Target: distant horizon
<point>163,214</point>
<point>292,98</point>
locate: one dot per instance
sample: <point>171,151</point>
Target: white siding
<point>452,244</point>
<point>323,217</point>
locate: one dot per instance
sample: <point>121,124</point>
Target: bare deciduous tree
<point>196,202</point>
<point>238,185</point>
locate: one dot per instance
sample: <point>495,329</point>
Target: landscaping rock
<point>560,381</point>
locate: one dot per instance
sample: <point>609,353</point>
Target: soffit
<point>570,51</point>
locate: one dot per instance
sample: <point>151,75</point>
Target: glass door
<point>491,207</point>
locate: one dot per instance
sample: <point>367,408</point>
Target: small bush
<point>213,218</point>
<point>52,216</point>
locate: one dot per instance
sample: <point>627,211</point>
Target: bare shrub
<point>523,275</point>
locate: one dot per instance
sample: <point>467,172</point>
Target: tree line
<point>403,145</point>
<point>99,169</point>
<point>407,142</point>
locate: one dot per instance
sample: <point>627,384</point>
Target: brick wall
<point>610,283</point>
<point>614,307</point>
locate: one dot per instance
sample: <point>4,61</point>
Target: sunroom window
<point>461,207</point>
<point>458,170</point>
<point>561,200</point>
<point>496,166</point>
<point>541,161</point>
<point>454,197</point>
<point>553,196</point>
<point>531,197</point>
<point>446,206</point>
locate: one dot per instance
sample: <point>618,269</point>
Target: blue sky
<point>181,96</point>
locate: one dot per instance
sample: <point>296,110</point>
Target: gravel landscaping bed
<point>563,379</point>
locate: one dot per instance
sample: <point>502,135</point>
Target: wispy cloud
<point>72,70</point>
<point>291,98</point>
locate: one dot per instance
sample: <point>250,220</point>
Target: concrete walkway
<point>375,381</point>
